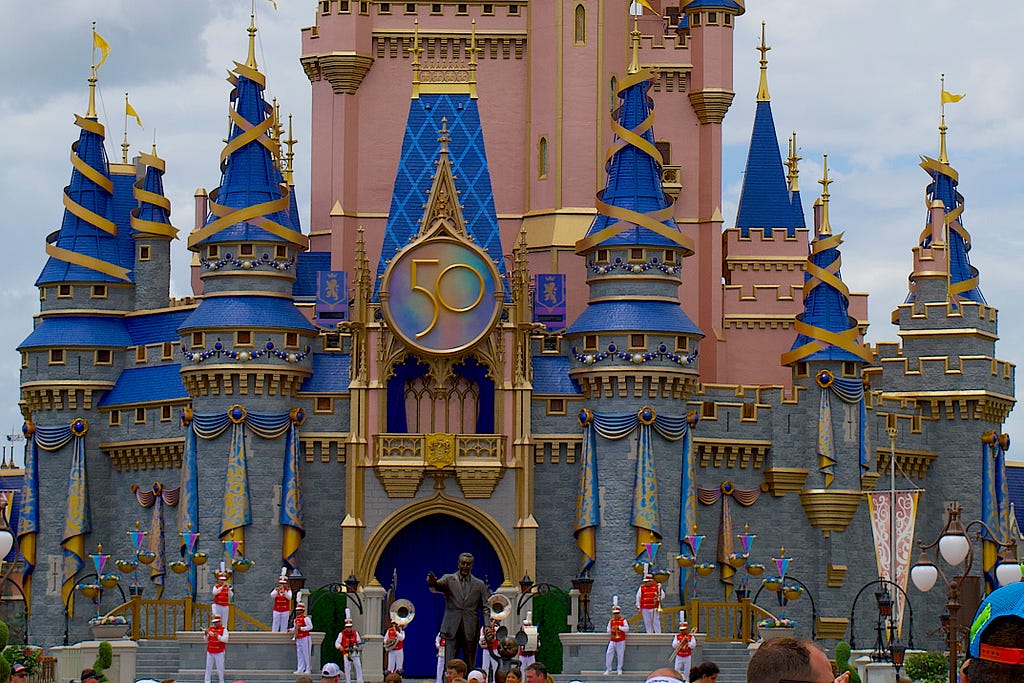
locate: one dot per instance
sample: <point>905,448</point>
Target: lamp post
<point>193,558</point>
<point>584,584</point>
<point>955,547</point>
<point>686,561</point>
<point>296,582</point>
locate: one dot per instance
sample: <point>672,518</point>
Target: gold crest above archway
<point>440,450</point>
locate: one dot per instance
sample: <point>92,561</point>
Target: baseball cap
<point>476,675</point>
<point>19,668</point>
<point>1007,601</point>
<point>330,670</point>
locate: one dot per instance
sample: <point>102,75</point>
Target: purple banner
<point>549,301</point>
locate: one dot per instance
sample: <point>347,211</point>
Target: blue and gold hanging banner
<point>237,511</point>
<point>188,503</point>
<point>644,515</point>
<point>77,516</point>
<point>549,301</point>
<point>332,296</point>
<point>28,513</point>
<point>826,448</point>
<point>291,518</point>
<point>995,502</point>
<point>588,511</point>
<point>156,497</point>
<point>850,391</point>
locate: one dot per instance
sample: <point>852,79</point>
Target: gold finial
<point>443,135</point>
<point>250,61</point>
<point>91,110</point>
<point>943,157</point>
<point>290,155</point>
<point>762,87</point>
<point>124,143</point>
<point>825,228</point>
<point>792,165</point>
<point>634,42</point>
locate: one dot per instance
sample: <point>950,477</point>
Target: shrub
<point>26,655</point>
<point>927,667</point>
<point>104,658</point>
<point>843,661</point>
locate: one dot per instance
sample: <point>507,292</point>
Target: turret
<point>152,234</point>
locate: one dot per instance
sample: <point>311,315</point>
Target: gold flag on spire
<point>129,110</point>
<point>99,43</point>
<point>948,97</point>
<point>274,3</point>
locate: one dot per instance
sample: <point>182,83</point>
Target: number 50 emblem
<point>441,296</point>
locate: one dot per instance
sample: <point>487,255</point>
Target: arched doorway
<point>431,543</point>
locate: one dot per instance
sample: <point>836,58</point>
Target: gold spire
<point>792,177</point>
<point>634,42</point>
<point>825,228</point>
<point>124,143</point>
<point>443,135</point>
<point>250,61</point>
<point>762,87</point>
<point>943,157</point>
<point>91,111</point>
<point>289,157</point>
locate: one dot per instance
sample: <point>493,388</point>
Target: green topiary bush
<point>104,658</point>
<point>843,661</point>
<point>927,667</point>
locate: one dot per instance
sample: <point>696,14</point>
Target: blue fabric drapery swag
<point>644,516</point>
<point>237,511</point>
<point>850,391</point>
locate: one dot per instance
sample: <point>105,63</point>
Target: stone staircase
<point>157,659</point>
<point>731,658</point>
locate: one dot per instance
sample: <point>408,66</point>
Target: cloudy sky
<point>857,80</point>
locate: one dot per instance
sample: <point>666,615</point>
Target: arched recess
<point>440,504</point>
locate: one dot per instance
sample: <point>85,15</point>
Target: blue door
<point>432,543</point>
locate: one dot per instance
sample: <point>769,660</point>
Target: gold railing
<point>728,621</point>
<point>160,619</point>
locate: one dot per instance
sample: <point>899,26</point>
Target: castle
<point>466,349</point>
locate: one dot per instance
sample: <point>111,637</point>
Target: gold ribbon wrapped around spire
<point>86,215</point>
<point>627,218</point>
<point>146,197</point>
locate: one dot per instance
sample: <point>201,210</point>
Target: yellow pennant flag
<point>129,110</point>
<point>635,7</point>
<point>274,3</point>
<point>102,45</point>
<point>948,97</point>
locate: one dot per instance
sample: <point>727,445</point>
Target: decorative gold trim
<point>345,71</point>
<point>144,455</point>
<point>830,509</point>
<point>402,460</point>
<point>711,104</point>
<point>445,505</point>
<point>782,480</point>
<point>913,463</point>
<point>731,453</point>
<point>869,480</point>
<point>831,628</point>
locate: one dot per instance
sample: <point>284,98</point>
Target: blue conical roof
<point>798,209</point>
<point>86,248</point>
<point>416,166</point>
<point>250,175</point>
<point>634,177</point>
<point>825,329</point>
<point>153,215</point>
<point>963,277</point>
<point>765,201</point>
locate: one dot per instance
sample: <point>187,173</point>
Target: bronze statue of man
<point>464,595</point>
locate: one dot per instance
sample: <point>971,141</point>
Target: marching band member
<point>350,645</point>
<point>528,652</point>
<point>394,643</point>
<point>303,642</point>
<point>648,600</point>
<point>683,645</point>
<point>616,630</point>
<point>489,648</point>
<point>439,644</point>
<point>222,594</point>
<point>216,643</point>
<point>282,599</point>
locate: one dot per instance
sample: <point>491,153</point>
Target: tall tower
<point>633,349</point>
<point>246,348</point>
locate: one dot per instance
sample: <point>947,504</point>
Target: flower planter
<point>771,632</point>
<point>108,631</point>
